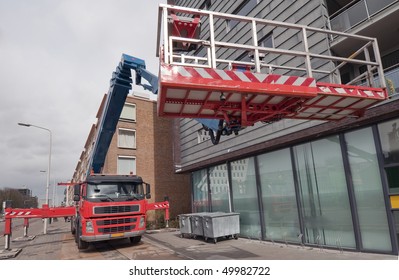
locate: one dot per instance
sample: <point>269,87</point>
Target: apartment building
<point>305,181</point>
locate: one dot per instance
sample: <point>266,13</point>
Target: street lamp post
<point>48,167</point>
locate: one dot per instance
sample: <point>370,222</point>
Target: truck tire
<point>81,244</point>
<point>135,239</point>
<point>73,226</point>
<point>75,233</point>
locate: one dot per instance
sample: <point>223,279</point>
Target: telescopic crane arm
<point>120,85</point>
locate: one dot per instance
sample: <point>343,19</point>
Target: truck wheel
<point>73,228</point>
<point>75,232</point>
<point>81,244</point>
<point>135,239</point>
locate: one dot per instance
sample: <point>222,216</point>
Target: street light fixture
<point>48,167</point>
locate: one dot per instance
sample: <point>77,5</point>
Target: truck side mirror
<point>147,191</point>
<point>76,192</point>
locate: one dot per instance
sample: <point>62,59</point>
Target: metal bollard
<point>7,233</point>
<point>26,226</point>
<point>7,238</point>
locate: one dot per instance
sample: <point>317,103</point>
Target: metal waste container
<point>219,224</point>
<point>196,225</point>
<point>185,225</point>
<point>188,222</point>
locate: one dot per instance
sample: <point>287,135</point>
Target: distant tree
<point>18,200</point>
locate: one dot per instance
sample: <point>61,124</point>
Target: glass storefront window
<point>367,186</point>
<point>219,187</point>
<point>393,179</point>
<point>324,194</point>
<point>278,196</point>
<point>389,135</point>
<point>245,197</point>
<point>200,191</point>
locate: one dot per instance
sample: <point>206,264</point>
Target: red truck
<point>110,207</point>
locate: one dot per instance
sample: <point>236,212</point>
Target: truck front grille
<point>116,229</point>
<point>116,221</point>
<point>115,209</point>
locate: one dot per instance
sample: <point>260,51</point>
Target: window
<point>367,186</point>
<point>200,191</point>
<point>129,112</point>
<point>278,196</point>
<point>324,194</point>
<point>126,138</point>
<point>242,10</point>
<point>245,198</point>
<point>206,5</point>
<point>126,165</point>
<point>219,191</point>
<point>203,135</point>
<point>267,41</point>
<point>389,135</point>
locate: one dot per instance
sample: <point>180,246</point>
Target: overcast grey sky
<point>56,61</point>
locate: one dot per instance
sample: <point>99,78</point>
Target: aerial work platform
<point>252,97</point>
<point>199,78</point>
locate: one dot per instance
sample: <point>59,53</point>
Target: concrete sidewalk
<point>166,244</point>
<point>247,249</point>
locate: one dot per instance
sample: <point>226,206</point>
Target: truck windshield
<point>115,192</point>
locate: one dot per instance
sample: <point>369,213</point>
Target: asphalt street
<point>166,244</point>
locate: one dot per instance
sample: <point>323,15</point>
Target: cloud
<point>57,58</point>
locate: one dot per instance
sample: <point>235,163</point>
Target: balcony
<point>392,77</point>
<point>373,18</point>
<point>354,13</point>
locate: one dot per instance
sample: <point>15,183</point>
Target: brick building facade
<point>143,145</point>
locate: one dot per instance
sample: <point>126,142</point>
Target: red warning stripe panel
<point>44,212</point>
<point>337,101</point>
<point>227,80</point>
<point>157,205</point>
<point>195,92</point>
<point>352,91</point>
<point>246,97</point>
<point>18,213</point>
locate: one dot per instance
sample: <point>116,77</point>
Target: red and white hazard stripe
<point>19,213</point>
<point>352,91</point>
<point>237,76</point>
<point>161,205</point>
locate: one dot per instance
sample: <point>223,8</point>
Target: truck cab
<point>109,207</point>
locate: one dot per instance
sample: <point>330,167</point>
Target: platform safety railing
<point>212,47</point>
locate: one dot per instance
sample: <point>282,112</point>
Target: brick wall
<point>154,156</point>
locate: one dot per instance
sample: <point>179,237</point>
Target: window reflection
<point>389,135</point>
<point>324,196</point>
<point>278,196</point>
<point>245,197</point>
<point>219,188</point>
<point>200,191</point>
<point>367,185</point>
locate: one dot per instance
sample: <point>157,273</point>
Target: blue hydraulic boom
<point>120,85</point>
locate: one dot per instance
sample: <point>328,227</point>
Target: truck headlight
<point>142,222</point>
<point>89,226</point>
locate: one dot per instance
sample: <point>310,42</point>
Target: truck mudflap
<point>117,235</point>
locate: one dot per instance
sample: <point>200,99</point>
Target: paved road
<point>59,244</point>
<point>165,248</point>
